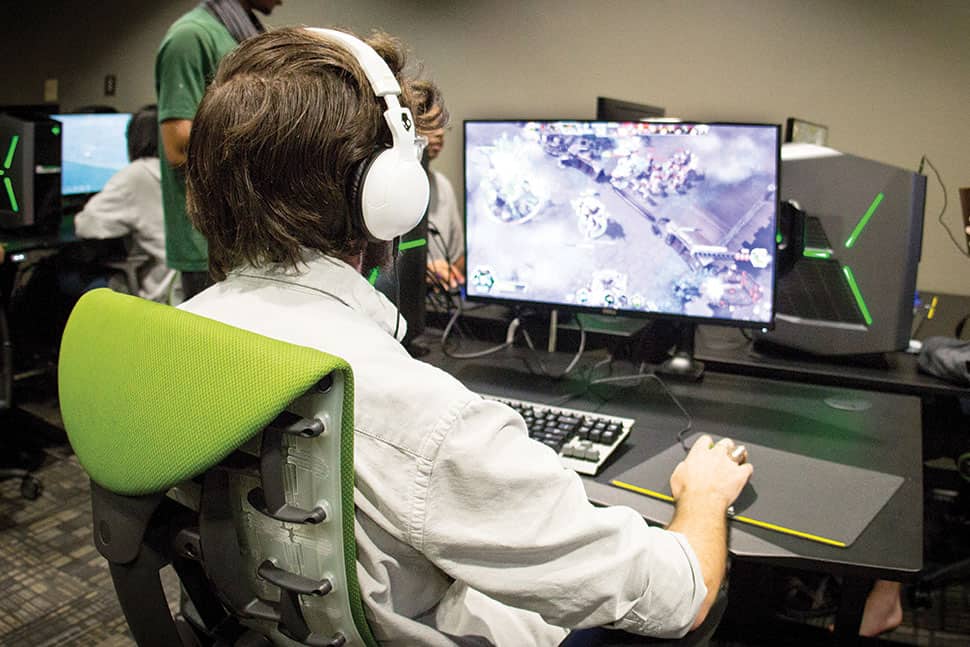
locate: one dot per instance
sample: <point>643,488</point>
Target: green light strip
<point>13,199</point>
<point>816,253</point>
<point>865,220</point>
<point>411,244</point>
<point>857,294</point>
<point>372,279</point>
<point>13,146</point>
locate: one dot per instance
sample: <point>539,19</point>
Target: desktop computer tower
<point>30,172</point>
<point>850,290</point>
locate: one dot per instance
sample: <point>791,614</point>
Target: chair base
<point>30,487</point>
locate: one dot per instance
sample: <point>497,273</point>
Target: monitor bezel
<point>544,306</point>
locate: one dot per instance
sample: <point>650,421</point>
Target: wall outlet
<point>110,81</point>
<point>50,90</point>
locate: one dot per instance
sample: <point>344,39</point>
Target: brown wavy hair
<point>275,141</point>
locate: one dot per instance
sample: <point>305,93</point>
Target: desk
<point>26,248</point>
<point>787,416</point>
<point>726,350</point>
<point>22,250</point>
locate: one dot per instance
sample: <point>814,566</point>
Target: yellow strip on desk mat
<point>742,519</point>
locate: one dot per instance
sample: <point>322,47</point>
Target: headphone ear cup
<point>393,195</point>
<point>355,189</point>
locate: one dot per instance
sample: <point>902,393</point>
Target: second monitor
<point>664,220</point>
<point>94,147</point>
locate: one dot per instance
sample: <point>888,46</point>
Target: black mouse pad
<point>789,493</point>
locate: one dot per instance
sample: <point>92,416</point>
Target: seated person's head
<point>275,143</point>
<point>428,101</point>
<point>143,134</point>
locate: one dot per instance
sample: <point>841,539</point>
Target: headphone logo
<point>406,121</point>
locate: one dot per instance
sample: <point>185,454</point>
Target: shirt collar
<point>335,279</point>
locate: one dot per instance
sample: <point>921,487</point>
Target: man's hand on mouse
<point>716,471</point>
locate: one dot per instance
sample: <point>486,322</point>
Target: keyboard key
<point>583,440</point>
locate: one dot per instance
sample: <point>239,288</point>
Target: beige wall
<point>890,78</point>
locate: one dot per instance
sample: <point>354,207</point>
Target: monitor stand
<point>653,344</point>
<point>682,365</point>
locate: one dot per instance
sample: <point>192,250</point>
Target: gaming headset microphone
<point>389,191</point>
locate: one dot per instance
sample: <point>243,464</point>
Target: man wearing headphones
<point>302,166</point>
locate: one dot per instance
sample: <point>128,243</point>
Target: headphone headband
<point>381,78</point>
<point>391,193</point>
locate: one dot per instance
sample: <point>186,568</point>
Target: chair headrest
<point>152,395</point>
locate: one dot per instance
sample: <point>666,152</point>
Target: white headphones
<point>389,191</point>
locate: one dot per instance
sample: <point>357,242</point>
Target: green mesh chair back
<point>250,438</point>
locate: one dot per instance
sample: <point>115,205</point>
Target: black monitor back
<point>851,291</point>
<point>404,283</point>
<point>618,110</point>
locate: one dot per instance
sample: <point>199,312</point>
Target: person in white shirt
<point>468,532</point>
<point>446,231</point>
<point>130,204</point>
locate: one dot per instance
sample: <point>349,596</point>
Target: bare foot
<point>883,610</point>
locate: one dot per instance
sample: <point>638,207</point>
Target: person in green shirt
<point>186,61</point>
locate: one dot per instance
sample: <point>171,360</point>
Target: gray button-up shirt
<point>468,532</point>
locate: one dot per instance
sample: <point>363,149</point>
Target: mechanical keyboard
<point>583,440</point>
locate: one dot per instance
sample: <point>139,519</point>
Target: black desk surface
<point>783,415</point>
<point>14,241</point>
<point>726,350</point>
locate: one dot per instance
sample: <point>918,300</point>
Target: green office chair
<point>226,454</point>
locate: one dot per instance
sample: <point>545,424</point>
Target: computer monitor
<point>94,147</point>
<point>660,220</point>
<point>617,110</point>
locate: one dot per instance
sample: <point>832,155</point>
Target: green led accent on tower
<point>13,199</point>
<point>13,147</point>
<point>411,244</point>
<point>372,279</point>
<point>864,220</point>
<point>816,253</point>
<point>56,130</point>
<point>857,294</point>
<point>778,238</point>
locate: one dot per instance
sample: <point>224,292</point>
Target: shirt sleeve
<point>110,213</point>
<point>504,516</point>
<point>180,70</point>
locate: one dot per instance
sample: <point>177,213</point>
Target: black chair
<point>30,487</point>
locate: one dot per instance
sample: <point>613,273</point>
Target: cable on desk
<point>509,339</point>
<point>514,327</point>
<point>641,374</point>
<point>439,295</point>
<point>572,364</point>
<point>443,289</point>
<point>587,378</point>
